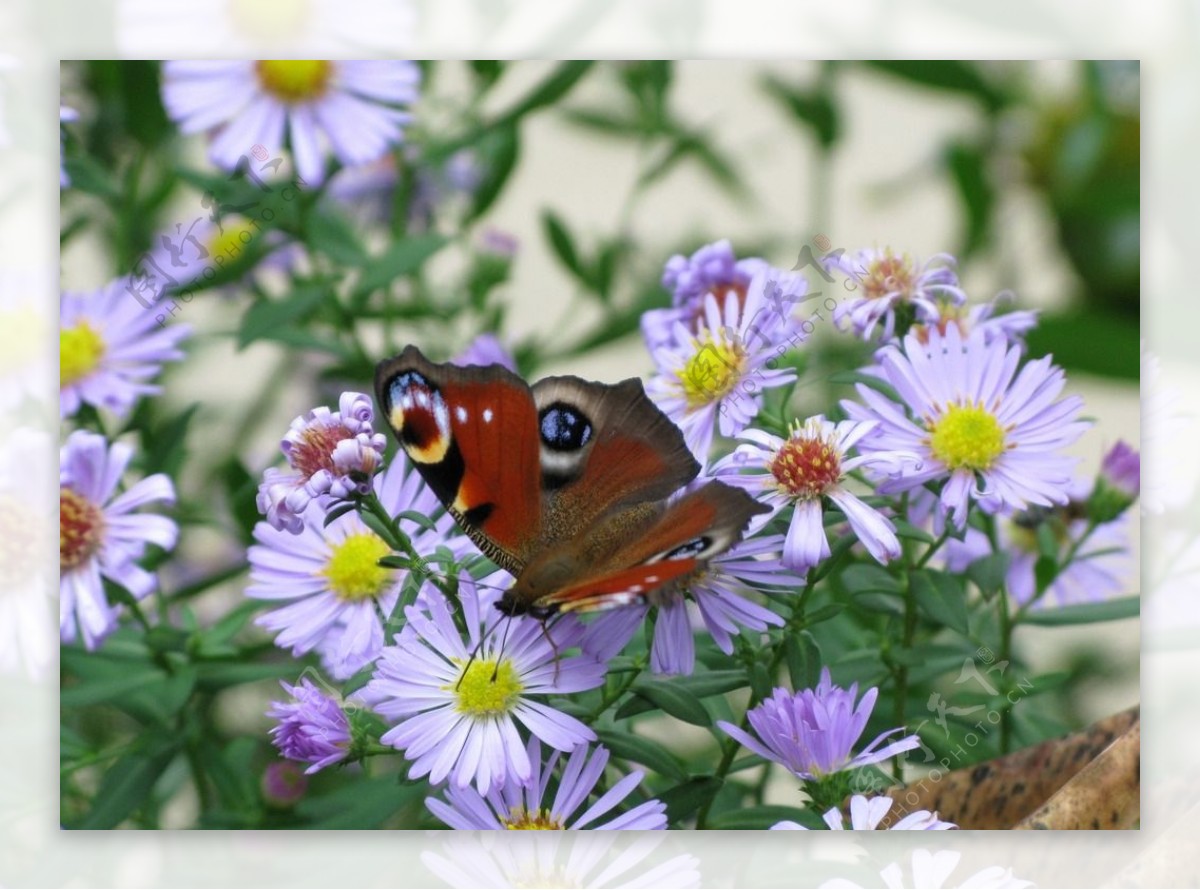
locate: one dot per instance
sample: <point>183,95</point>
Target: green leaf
<point>267,316</point>
<point>687,797</point>
<point>760,817</point>
<point>875,383</point>
<point>989,573</point>
<point>905,529</point>
<point>1045,570</point>
<point>550,90</point>
<point>803,656</point>
<point>421,519</point>
<point>968,170</point>
<point>954,76</point>
<point>366,803</point>
<point>1086,613</point>
<point>941,598</point>
<point>864,578</point>
<point>1095,340</point>
<point>329,233</point>
<point>402,258</point>
<point>701,685</point>
<point>814,109</point>
<point>671,698</point>
<point>562,244</point>
<point>645,751</point>
<point>127,783</point>
<point>497,152</point>
<point>219,675</point>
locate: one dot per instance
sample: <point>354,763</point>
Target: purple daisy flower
<point>805,469</point>
<point>989,433</point>
<point>890,283</point>
<point>312,727</point>
<point>866,814</point>
<point>1118,485</point>
<point>332,454</point>
<point>457,702</point>
<point>524,805</point>
<point>349,107</point>
<point>1099,569</point>
<point>712,269</point>
<point>713,376</point>
<point>981,319</point>
<point>813,732</point>
<point>329,578</point>
<point>101,537</point>
<point>109,346</point>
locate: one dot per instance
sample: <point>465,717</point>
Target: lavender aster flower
<point>813,732</point>
<point>992,434</point>
<point>312,727</point>
<point>351,107</point>
<point>457,703</point>
<point>328,580</point>
<point>892,285</point>
<point>283,784</point>
<point>1008,327</point>
<point>524,805</point>
<point>805,469</point>
<point>101,537</point>
<point>333,455</point>
<point>1118,484</point>
<point>486,349</point>
<point>712,269</point>
<point>109,346</point>
<point>714,376</point>
<point>866,814</point>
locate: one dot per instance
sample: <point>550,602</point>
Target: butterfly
<point>564,484</point>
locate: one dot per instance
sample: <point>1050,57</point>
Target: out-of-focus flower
<point>65,115</point>
<point>486,349</point>
<point>283,784</point>
<point>525,805</point>
<point>332,455</point>
<point>351,108</point>
<point>714,375</point>
<point>980,318</point>
<point>109,346</point>
<point>813,732</point>
<point>456,703</point>
<point>101,537</point>
<point>867,812</point>
<point>989,433</point>
<point>1118,484</point>
<point>893,288</point>
<point>805,469</point>
<point>312,727</point>
<point>328,576</point>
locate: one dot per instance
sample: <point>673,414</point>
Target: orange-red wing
<point>472,433</point>
<point>624,588</point>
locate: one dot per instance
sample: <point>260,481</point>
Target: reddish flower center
<point>806,466</point>
<point>889,274</point>
<point>80,529</point>
<point>315,449</point>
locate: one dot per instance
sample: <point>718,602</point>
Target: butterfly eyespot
<point>563,427</point>
<point>419,414</point>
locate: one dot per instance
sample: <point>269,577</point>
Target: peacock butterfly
<point>564,484</point>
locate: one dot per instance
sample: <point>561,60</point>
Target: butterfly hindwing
<point>472,434</point>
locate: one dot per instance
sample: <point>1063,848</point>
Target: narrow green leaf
<point>672,699</point>
<point>402,258</point>
<point>329,233</point>
<point>562,243</point>
<point>687,797</point>
<point>989,573</point>
<point>1086,613</point>
<point>803,656</point>
<point>875,383</point>
<point>864,578</point>
<point>760,817</point>
<point>647,752</point>
<point>1045,570</point>
<point>126,784</point>
<point>266,316</point>
<point>941,598</point>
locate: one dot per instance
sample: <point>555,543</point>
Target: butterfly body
<point>565,484</point>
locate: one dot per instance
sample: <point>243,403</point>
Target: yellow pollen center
<point>80,350</point>
<point>354,571</point>
<point>294,80</point>
<point>713,371</point>
<point>521,819</point>
<point>967,437</point>
<point>806,465</point>
<point>889,274</point>
<point>488,689</point>
<point>80,529</point>
<point>231,242</point>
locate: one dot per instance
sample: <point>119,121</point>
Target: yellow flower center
<point>806,465</point>
<point>80,350</point>
<point>354,571</point>
<point>889,274</point>
<point>21,333</point>
<point>230,243</point>
<point>80,529</point>
<point>294,80</point>
<point>713,371</point>
<point>967,437</point>
<point>488,689</point>
<point>521,819</point>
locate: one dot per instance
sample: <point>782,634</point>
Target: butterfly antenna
<point>503,642</point>
<point>474,654</point>
<point>545,626</point>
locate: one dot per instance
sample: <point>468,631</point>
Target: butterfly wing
<point>603,447</point>
<point>472,434</point>
<point>698,526</point>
